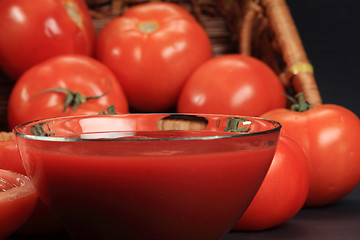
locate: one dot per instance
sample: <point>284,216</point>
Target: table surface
<point>338,221</point>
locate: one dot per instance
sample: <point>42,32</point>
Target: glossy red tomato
<point>17,201</point>
<point>33,31</point>
<point>330,136</point>
<point>41,220</point>
<point>283,191</point>
<point>41,91</point>
<point>152,49</point>
<point>232,84</point>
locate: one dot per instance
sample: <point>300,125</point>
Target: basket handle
<point>301,77</point>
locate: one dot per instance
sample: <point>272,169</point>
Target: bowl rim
<point>15,130</point>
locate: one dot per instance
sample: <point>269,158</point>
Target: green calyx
<point>73,99</point>
<point>109,110</point>
<point>299,103</point>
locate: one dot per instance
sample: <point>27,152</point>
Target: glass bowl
<point>148,176</point>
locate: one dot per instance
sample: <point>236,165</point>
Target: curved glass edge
<point>276,128</point>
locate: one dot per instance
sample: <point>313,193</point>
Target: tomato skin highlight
<point>283,191</point>
<point>329,135</point>
<point>78,73</point>
<point>16,203</point>
<point>33,31</point>
<point>232,84</point>
<point>152,65</point>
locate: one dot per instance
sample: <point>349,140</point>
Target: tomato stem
<point>109,110</point>
<point>74,99</point>
<point>299,103</point>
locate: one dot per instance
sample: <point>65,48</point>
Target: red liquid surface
<point>149,189</point>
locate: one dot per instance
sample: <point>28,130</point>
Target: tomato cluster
<point>154,58</point>
<point>328,136</point>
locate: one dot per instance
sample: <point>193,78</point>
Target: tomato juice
<point>131,185</point>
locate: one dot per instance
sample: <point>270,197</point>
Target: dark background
<point>330,32</point>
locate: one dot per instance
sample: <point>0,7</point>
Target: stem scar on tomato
<point>74,13</point>
<point>148,26</point>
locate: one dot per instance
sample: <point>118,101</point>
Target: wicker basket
<point>261,28</point>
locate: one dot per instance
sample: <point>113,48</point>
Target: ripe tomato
<point>33,31</point>
<point>41,220</point>
<point>17,201</point>
<point>232,84</point>
<point>330,136</point>
<point>34,97</point>
<point>152,49</point>
<point>283,191</point>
